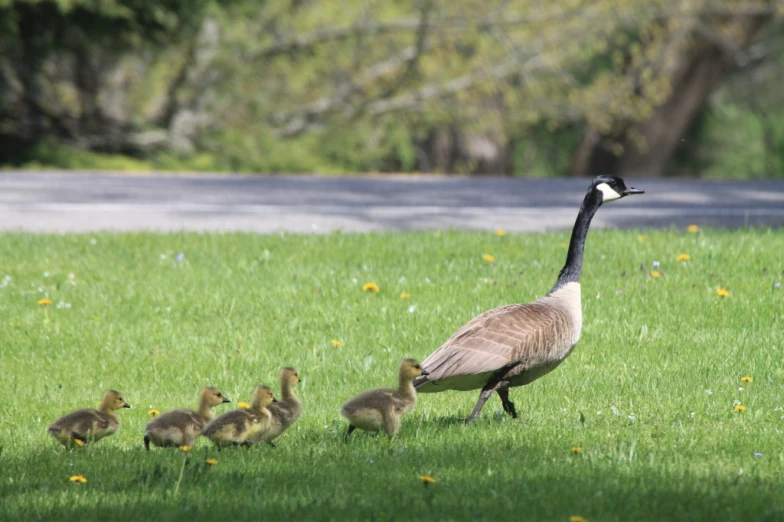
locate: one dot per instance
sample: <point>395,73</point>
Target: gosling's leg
<point>80,438</point>
<point>349,431</point>
<point>147,442</point>
<point>508,405</point>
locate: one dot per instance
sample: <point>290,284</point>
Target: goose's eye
<point>218,395</point>
<point>417,367</point>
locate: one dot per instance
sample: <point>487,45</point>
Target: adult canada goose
<point>383,409</point>
<point>516,344</point>
<point>89,425</point>
<point>180,427</point>
<point>236,427</point>
<point>283,412</point>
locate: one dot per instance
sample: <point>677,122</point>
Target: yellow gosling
<point>180,427</point>
<point>284,412</point>
<point>237,427</point>
<point>383,409</point>
<point>88,425</point>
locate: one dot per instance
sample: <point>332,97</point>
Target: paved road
<point>82,202</point>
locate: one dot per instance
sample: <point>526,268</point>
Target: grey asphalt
<point>83,202</point>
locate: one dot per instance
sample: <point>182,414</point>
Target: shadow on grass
<point>482,477</point>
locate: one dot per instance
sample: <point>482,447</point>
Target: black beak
<point>632,191</point>
<point>226,399</point>
<point>274,400</point>
<point>425,372</point>
<point>126,405</point>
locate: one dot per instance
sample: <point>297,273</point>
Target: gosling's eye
<point>218,395</point>
<point>120,399</point>
<point>417,367</point>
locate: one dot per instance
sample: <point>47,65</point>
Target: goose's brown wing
<point>513,334</point>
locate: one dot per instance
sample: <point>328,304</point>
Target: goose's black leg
<point>487,391</point>
<point>351,428</point>
<point>508,405</point>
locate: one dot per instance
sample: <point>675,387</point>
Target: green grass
<point>655,445</point>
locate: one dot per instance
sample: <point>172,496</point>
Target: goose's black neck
<point>571,271</point>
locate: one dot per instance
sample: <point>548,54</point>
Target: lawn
<point>649,395</point>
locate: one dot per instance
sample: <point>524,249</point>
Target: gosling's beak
<point>425,372</point>
<point>274,399</point>
<point>226,399</point>
<point>126,405</point>
<point>632,191</point>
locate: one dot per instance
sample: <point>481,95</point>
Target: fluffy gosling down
<point>89,425</point>
<point>383,409</point>
<point>180,427</point>
<point>284,412</point>
<point>236,427</point>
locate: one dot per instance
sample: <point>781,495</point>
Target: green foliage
<point>655,376</point>
<point>354,86</point>
<point>46,26</point>
<point>50,154</point>
<point>742,153</point>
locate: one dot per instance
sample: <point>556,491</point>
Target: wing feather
<point>497,338</point>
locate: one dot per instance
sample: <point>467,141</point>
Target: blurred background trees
<point>530,88</point>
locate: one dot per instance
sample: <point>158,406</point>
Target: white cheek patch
<point>608,194</point>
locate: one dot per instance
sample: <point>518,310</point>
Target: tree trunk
<point>706,63</point>
<point>450,150</point>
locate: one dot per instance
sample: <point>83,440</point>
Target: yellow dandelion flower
<point>80,479</point>
<point>577,450</point>
<point>577,518</point>
<point>693,229</point>
<point>563,245</point>
<point>336,343</point>
<point>683,257</point>
<point>211,461</point>
<point>488,258</point>
<point>79,442</point>
<point>45,301</point>
<point>723,292</point>
<point>185,449</point>
<point>500,232</point>
<point>153,412</point>
<point>746,379</point>
<point>405,295</point>
<point>370,287</point>
<point>642,237</point>
<point>427,479</point>
<point>243,404</point>
<point>740,407</point>
<point>655,273</point>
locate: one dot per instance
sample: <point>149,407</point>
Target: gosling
<point>284,412</point>
<point>180,427</point>
<point>235,428</point>
<point>383,409</point>
<point>89,425</point>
